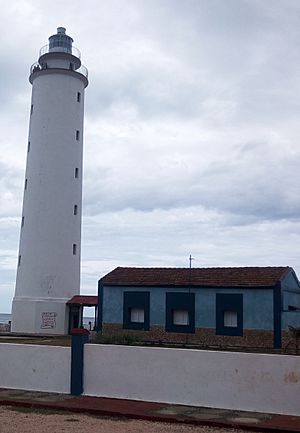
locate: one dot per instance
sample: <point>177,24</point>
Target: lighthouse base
<point>39,315</point>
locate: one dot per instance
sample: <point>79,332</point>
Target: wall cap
<point>79,331</point>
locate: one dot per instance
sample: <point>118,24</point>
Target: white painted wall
<point>37,315</point>
<point>252,382</point>
<point>33,367</point>
<point>48,273</point>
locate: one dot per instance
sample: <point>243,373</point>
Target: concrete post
<point>80,336</point>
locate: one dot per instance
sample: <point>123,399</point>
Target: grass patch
<point>64,341</point>
<point>122,338</point>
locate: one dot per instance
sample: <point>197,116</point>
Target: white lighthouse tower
<point>48,273</point>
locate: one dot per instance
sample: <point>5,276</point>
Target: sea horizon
<point>6,317</point>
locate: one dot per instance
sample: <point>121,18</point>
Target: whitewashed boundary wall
<point>229,380</point>
<point>35,368</point>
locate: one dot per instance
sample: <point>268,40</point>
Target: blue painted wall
<point>258,305</point>
<point>290,282</point>
<point>290,298</point>
<point>290,291</point>
<point>291,318</point>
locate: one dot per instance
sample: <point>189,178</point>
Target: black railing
<point>60,49</point>
<point>36,67</point>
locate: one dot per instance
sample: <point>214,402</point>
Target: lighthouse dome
<point>60,42</point>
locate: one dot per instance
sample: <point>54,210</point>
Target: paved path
<point>152,411</point>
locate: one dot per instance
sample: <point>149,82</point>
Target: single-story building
<point>76,305</point>
<point>245,306</point>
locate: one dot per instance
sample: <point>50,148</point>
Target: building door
<point>74,316</point>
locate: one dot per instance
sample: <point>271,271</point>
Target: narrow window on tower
<point>31,109</point>
<point>25,183</point>
<point>77,135</point>
<point>19,261</point>
<point>74,249</point>
<point>22,224</point>
<point>28,147</point>
<point>75,209</point>
<point>76,172</point>
<point>78,96</point>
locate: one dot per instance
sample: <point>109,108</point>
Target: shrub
<point>127,339</point>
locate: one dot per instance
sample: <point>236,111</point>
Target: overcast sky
<point>191,142</point>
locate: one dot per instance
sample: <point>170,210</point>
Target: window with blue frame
<point>229,314</point>
<point>180,312</point>
<point>136,310</point>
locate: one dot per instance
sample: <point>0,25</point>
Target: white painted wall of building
<point>48,273</point>
<point>33,367</point>
<point>252,382</point>
<point>35,315</point>
<point>48,267</point>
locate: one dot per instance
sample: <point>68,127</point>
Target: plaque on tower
<point>48,320</point>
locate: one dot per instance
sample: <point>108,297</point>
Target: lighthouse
<point>48,269</point>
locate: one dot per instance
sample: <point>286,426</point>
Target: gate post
<point>80,336</point>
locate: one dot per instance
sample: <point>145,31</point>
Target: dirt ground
<point>16,420</point>
<point>49,341</point>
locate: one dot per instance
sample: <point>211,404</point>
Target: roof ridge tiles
<point>250,276</point>
<point>209,267</point>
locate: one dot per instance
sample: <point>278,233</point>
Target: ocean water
<point>5,318</point>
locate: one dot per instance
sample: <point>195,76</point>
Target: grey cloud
<point>10,191</point>
<point>191,133</point>
<point>170,236</point>
<point>228,53</point>
<point>252,183</point>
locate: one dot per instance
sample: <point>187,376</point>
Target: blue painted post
<point>80,336</point>
<point>277,311</point>
<point>100,307</point>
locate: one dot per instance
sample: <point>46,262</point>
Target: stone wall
<point>291,342</point>
<point>204,337</point>
<point>4,327</point>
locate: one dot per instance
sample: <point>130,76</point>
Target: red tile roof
<point>205,277</point>
<point>85,300</point>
